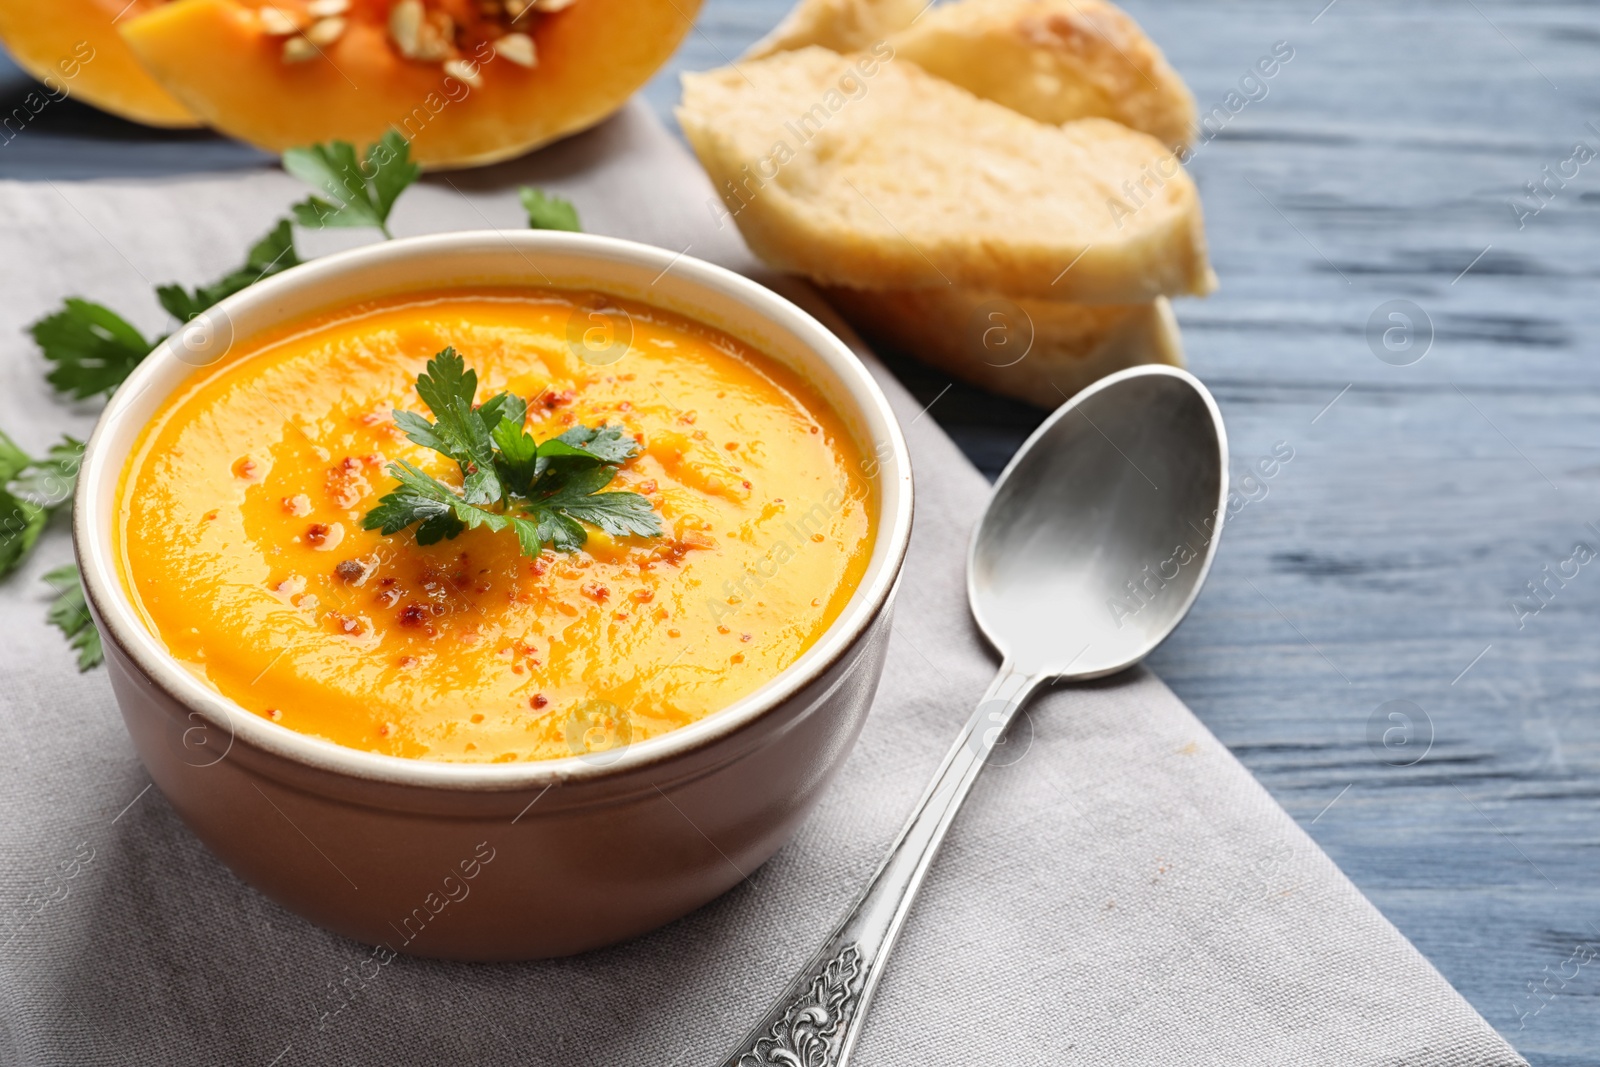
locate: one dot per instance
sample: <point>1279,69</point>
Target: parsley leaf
<point>608,444</point>
<point>93,348</point>
<point>545,493</point>
<point>21,523</point>
<point>500,407</point>
<point>48,482</point>
<point>13,460</point>
<point>69,613</point>
<point>447,387</point>
<point>577,496</point>
<point>547,212</point>
<point>273,253</point>
<point>30,491</point>
<point>356,192</point>
<point>439,513</point>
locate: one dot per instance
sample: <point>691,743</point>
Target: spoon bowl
<point>1100,531</point>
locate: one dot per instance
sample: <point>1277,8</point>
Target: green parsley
<point>91,348</point>
<point>21,520</point>
<point>546,212</point>
<point>545,492</point>
<point>273,253</point>
<point>69,613</point>
<point>31,490</point>
<point>356,192</point>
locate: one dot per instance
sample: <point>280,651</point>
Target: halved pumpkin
<point>467,82</point>
<point>73,46</point>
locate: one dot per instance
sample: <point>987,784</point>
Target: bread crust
<point>869,172</point>
<point>1054,61</point>
<point>838,25</point>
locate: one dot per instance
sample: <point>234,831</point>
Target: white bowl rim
<point>93,525</point>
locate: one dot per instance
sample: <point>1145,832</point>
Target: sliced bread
<point>1055,61</point>
<point>867,172</point>
<point>838,25</point>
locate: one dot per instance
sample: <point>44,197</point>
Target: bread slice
<point>838,25</point>
<point>1055,61</point>
<point>875,174</point>
<point>1038,351</point>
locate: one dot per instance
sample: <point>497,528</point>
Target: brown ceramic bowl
<point>500,861</point>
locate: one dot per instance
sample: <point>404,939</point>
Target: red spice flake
<point>345,484</point>
<point>745,637</point>
<point>815,430</point>
<point>350,570</point>
<point>210,516</point>
<point>746,484</point>
<point>625,406</point>
<point>555,400</point>
<point>345,623</point>
<point>517,668</point>
<point>413,615</point>
<point>317,533</point>
<point>642,596</point>
<point>383,730</point>
<point>388,598</point>
<point>621,616</point>
<point>568,418</point>
<point>406,661</point>
<point>687,418</point>
<point>244,467</point>
<point>386,582</point>
<point>538,700</point>
<point>647,486</point>
<point>595,590</point>
<point>274,714</point>
<point>538,567</point>
<point>298,505</point>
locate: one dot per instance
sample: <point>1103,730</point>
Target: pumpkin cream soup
<point>428,527</point>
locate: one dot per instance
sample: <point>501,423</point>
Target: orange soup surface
<point>242,541</point>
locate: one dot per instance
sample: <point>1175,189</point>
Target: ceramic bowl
<point>499,861</point>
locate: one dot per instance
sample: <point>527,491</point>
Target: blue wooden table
<point>1399,311</point>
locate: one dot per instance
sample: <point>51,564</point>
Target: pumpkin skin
<point>74,45</point>
<point>215,57</point>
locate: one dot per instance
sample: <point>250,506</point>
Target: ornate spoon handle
<point>816,1021</point>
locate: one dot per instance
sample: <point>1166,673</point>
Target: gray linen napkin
<point>1122,893</point>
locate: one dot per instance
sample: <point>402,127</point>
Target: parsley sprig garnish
<point>545,492</point>
<point>356,192</point>
<point>91,349</point>
<point>69,613</point>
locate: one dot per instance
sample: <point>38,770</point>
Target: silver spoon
<point>1095,542</point>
